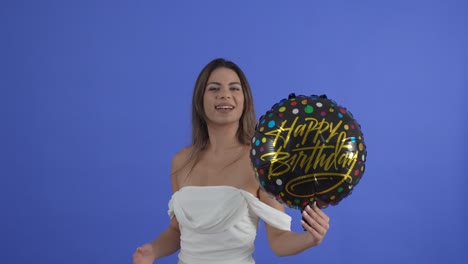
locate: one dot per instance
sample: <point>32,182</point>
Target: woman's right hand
<point>144,255</point>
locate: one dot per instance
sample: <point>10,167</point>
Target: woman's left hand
<point>315,222</point>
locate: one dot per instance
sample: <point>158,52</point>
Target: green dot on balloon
<point>340,189</point>
<point>297,201</point>
<point>308,109</point>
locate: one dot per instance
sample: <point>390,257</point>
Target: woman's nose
<point>224,95</point>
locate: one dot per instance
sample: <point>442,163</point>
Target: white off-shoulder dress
<point>218,224</point>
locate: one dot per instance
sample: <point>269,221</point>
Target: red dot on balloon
<point>261,171</point>
<point>323,113</point>
<point>356,172</point>
<point>280,114</point>
<point>293,103</point>
<point>342,110</point>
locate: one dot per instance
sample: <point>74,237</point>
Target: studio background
<point>95,101</point>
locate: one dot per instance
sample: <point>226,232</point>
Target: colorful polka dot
<point>271,124</point>
<point>295,111</point>
<point>308,109</point>
<point>282,109</point>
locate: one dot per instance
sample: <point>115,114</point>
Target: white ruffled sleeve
<point>270,215</point>
<point>170,211</point>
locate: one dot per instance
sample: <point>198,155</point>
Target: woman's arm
<point>168,242</point>
<point>286,243</point>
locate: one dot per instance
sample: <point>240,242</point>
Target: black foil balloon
<point>306,149</point>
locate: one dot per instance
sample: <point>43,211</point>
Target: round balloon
<point>306,149</point>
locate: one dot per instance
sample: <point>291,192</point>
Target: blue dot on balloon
<point>340,115</point>
<point>271,123</point>
<point>262,122</point>
<point>257,142</point>
<point>353,139</point>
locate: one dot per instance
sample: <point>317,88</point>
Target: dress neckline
<point>213,187</point>
<point>210,186</point>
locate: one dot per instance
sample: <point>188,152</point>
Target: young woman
<point>216,201</point>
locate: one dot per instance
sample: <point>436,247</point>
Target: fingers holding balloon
<point>315,221</point>
<point>322,216</point>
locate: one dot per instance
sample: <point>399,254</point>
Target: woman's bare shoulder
<point>179,166</point>
<point>181,157</point>
<point>247,173</point>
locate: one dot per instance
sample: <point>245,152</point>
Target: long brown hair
<point>247,120</point>
<point>199,127</point>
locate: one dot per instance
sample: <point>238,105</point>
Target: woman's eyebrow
<point>218,83</point>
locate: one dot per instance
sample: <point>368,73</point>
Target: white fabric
<point>218,224</point>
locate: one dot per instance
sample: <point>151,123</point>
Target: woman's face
<point>223,100</point>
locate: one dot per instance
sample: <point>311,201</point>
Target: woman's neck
<point>222,138</point>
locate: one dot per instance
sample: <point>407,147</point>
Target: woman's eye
<point>235,89</point>
<point>213,88</point>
